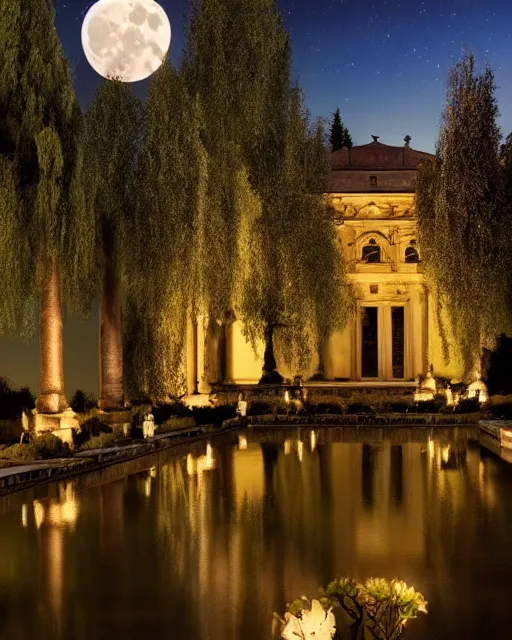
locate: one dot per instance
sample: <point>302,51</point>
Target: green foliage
<point>39,128</point>
<point>285,288</point>
<point>267,168</point>
<point>110,143</point>
<point>500,406</point>
<point>460,221</point>
<point>82,401</point>
<point>380,608</point>
<point>225,63</point>
<point>339,135</point>
<point>14,401</point>
<point>105,441</point>
<point>43,447</point>
<point>163,276</point>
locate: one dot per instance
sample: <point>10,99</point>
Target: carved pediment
<point>371,210</point>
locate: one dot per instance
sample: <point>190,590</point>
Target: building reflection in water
<point>210,543</point>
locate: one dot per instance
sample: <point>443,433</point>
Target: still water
<point>205,543</point>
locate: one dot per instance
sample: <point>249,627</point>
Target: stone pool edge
<point>13,479</point>
<point>44,471</point>
<point>367,420</point>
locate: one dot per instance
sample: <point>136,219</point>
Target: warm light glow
<point>287,397</point>
<point>445,453</point>
<point>64,511</point>
<point>313,440</point>
<point>126,39</point>
<point>242,442</point>
<point>202,463</point>
<point>38,513</point>
<point>24,516</point>
<point>287,447</point>
<point>431,448</point>
<point>300,449</point>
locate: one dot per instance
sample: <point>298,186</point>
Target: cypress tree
<point>112,125</point>
<point>40,188</point>
<point>460,224</point>
<point>339,135</point>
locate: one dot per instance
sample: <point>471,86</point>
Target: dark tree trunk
<point>270,373</point>
<point>320,370</point>
<point>111,340</point>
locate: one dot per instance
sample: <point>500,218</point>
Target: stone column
<point>228,353</point>
<point>191,366</point>
<point>202,355</point>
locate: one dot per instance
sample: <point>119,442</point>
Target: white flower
<point>315,624</point>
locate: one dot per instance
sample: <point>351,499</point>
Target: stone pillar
<point>191,365</point>
<point>202,355</point>
<point>324,368</point>
<point>228,351</point>
<point>212,355</point>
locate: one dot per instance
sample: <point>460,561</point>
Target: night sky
<point>382,62</point>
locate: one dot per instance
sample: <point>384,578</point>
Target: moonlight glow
<point>126,39</point>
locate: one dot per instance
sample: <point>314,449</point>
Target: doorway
<point>370,343</point>
<point>397,341</point>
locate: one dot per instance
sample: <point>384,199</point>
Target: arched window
<point>371,252</point>
<point>411,253</point>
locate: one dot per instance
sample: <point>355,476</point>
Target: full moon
<point>126,39</point>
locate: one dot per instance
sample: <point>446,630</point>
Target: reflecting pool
<point>206,541</point>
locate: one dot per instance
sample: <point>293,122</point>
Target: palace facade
<point>393,336</point>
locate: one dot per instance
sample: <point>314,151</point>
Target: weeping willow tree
<point>168,216</point>
<point>112,125</point>
<point>224,66</point>
<point>297,294</point>
<point>459,217</point>
<point>261,203</point>
<point>40,192</point>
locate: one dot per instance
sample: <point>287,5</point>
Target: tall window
<point>371,252</point>
<point>411,253</point>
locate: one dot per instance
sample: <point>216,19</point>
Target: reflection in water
<point>207,544</point>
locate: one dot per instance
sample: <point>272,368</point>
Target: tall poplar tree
<point>162,269</point>
<point>459,216</point>
<point>40,191</point>
<point>112,126</point>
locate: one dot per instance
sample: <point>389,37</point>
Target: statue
<point>148,426</point>
<point>425,390</point>
<point>241,408</point>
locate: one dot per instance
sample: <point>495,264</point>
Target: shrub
<point>213,415</point>
<point>500,406</point>
<point>94,427</point>
<point>43,447</point>
<point>163,412</point>
<point>13,402</point>
<point>259,409</point>
<point>468,405</point>
<point>82,402</point>
<point>174,423</point>
<point>104,441</point>
<point>436,405</point>
<point>320,408</point>
<point>359,407</point>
